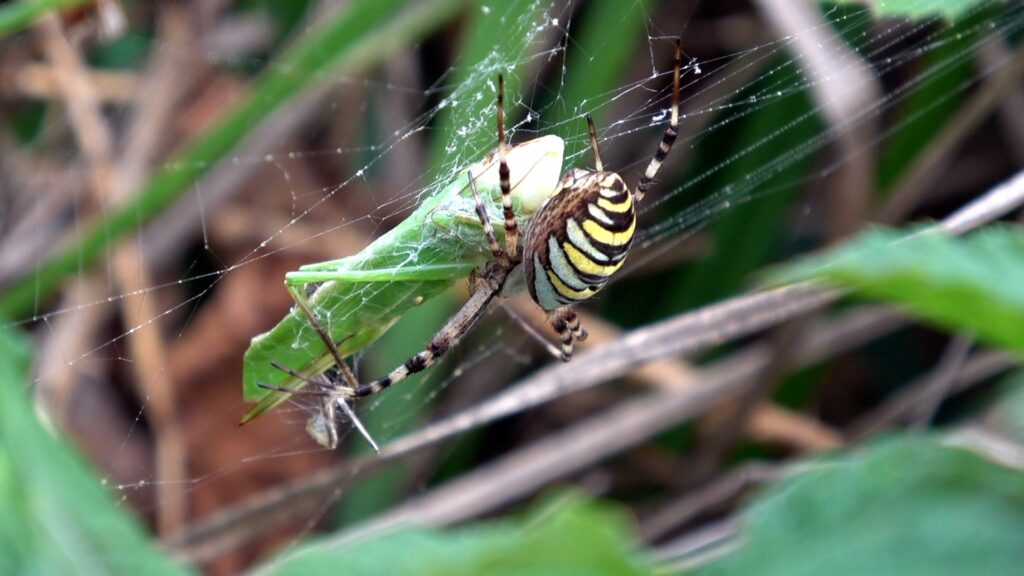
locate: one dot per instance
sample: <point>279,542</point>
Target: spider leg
<point>567,324</point>
<point>320,393</point>
<point>322,386</point>
<point>531,331</point>
<point>481,213</point>
<point>445,338</point>
<point>598,165</point>
<point>670,133</point>
<point>511,227</point>
<point>357,422</point>
<point>346,373</point>
<point>323,427</point>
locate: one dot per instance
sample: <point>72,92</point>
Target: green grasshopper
<point>357,298</point>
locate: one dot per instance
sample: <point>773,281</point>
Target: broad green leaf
<point>970,283</point>
<point>906,507</point>
<point>570,538</point>
<point>55,515</point>
<point>917,9</point>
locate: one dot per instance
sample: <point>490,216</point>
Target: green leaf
<point>570,538</point>
<point>970,283</point>
<point>55,516</point>
<point>905,507</point>
<point>916,9</point>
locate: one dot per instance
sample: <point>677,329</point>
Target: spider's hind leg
<point>486,288</point>
<point>567,324</point>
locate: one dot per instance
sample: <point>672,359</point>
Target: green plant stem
<point>356,39</point>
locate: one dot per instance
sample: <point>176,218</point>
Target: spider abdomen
<point>578,238</point>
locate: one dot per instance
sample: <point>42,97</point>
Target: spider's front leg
<point>486,286</point>
<point>512,233</point>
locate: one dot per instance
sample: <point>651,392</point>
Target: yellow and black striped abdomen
<point>578,238</point>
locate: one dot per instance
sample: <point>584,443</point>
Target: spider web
<point>388,139</point>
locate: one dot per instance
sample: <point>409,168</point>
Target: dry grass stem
<point>41,81</point>
<point>845,88</point>
<point>928,167</point>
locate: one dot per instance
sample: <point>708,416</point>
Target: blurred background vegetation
<point>164,164</point>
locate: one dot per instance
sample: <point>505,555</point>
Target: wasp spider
<point>574,243</point>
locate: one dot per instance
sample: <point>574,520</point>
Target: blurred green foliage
<point>568,536</point>
<point>962,284</point>
<point>14,16</point>
<point>55,516</point>
<point>907,506</point>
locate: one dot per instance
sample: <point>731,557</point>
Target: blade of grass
<point>18,15</point>
<point>355,39</point>
<point>496,38</point>
<point>595,64</point>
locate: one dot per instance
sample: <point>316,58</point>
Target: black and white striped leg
<point>671,132</point>
<point>511,227</point>
<point>567,324</point>
<point>485,220</point>
<point>578,331</point>
<point>445,338</point>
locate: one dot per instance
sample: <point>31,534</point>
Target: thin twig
<point>232,527</point>
<point>976,368</point>
<point>699,547</point>
<point>716,443</point>
<point>999,201</point>
<point>83,105</point>
<point>1001,448</point>
<point>941,380</point>
<point>41,81</point>
<point>561,454</point>
<point>111,187</point>
<point>801,433</point>
<point>670,515</point>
